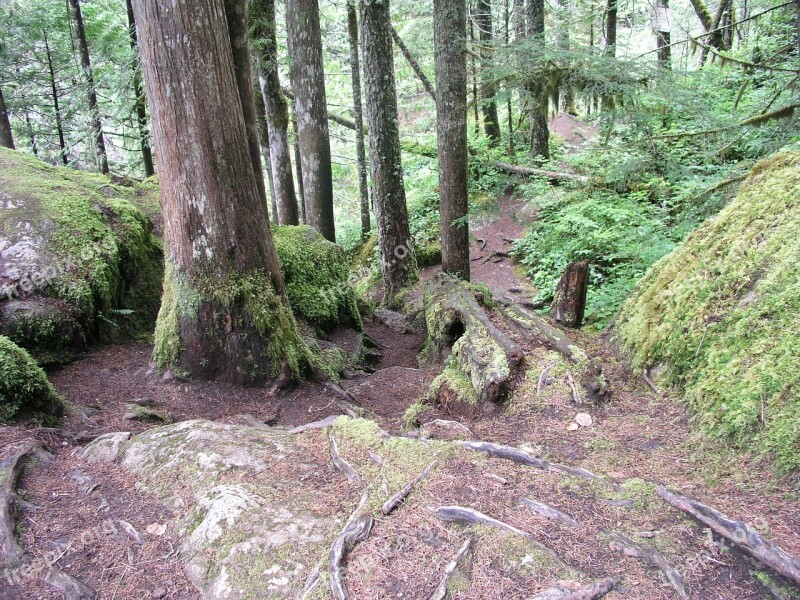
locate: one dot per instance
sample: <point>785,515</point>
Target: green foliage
<point>717,316</point>
<point>24,388</point>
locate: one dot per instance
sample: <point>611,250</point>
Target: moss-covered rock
<point>719,316</point>
<point>78,258</point>
<point>317,277</point>
<point>24,388</point>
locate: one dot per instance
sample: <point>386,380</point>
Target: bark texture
<point>569,303</point>
<point>6,137</point>
<point>450,43</point>
<point>262,14</point>
<point>308,84</point>
<point>540,134</point>
<point>491,121</point>
<point>223,313</point>
<point>358,117</point>
<point>263,142</point>
<point>398,265</point>
<point>91,92</point>
<point>139,105</point>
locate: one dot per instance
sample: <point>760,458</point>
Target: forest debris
<point>652,385</point>
<point>548,511</point>
<point>520,456</point>
<point>395,500</point>
<point>450,568</point>
<point>554,176</point>
<point>569,301</point>
<point>326,422</point>
<point>738,532</point>
<point>576,397</point>
<point>652,557</point>
<point>543,378</point>
<point>73,589</point>
<point>342,464</point>
<point>356,530</point>
<point>573,590</point>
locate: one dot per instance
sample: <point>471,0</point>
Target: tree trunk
<point>473,68</point>
<point>31,133</point>
<point>450,47</point>
<point>262,14</point>
<point>703,13</point>
<point>569,302</point>
<point>426,83</point>
<point>358,116</point>
<point>139,106</point>
<point>509,111</point>
<point>611,28</point>
<point>308,84</point>
<point>91,92</point>
<point>56,105</point>
<point>540,134</point>
<point>398,265</point>
<point>663,22</point>
<point>6,137</point>
<point>223,314</point>
<point>564,21</point>
<point>491,120</point>
<point>263,142</point>
<point>299,171</point>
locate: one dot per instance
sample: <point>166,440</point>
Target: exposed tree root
<point>572,590</point>
<point>326,422</point>
<point>342,464</point>
<point>549,512</point>
<point>543,378</point>
<point>450,568</point>
<point>738,532</point>
<point>461,514</point>
<point>356,530</point>
<point>72,588</point>
<point>653,558</point>
<point>520,456</point>
<point>395,500</point>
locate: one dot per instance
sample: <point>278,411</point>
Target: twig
<point>395,500</point>
<point>651,385</point>
<point>450,568</point>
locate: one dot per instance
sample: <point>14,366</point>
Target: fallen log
<point>553,176</point>
<point>441,590</point>
<point>652,557</point>
<point>457,323</point>
<point>548,511</point>
<point>572,590</point>
<point>738,532</point>
<point>396,499</point>
<point>521,457</point>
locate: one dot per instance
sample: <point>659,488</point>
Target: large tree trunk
<point>308,84</point>
<point>262,13</point>
<point>398,265</point>
<point>611,28</point>
<point>564,23</point>
<point>662,27</point>
<point>491,121</point>
<point>540,134</point>
<point>358,117</point>
<point>62,144</point>
<point>91,92</point>
<point>223,314</point>
<point>450,46</point>
<point>6,137</point>
<point>139,106</point>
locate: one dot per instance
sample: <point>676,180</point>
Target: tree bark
<point>450,47</point>
<point>139,105</point>
<point>491,120</point>
<point>564,21</point>
<point>358,116</point>
<point>569,303</point>
<point>262,14</point>
<point>415,66</point>
<point>398,265</point>
<point>6,137</point>
<point>223,314</point>
<point>263,142</point>
<point>298,167</point>
<point>611,28</point>
<point>91,92</point>
<point>308,84</point>
<point>540,134</point>
<point>56,105</point>
<point>663,34</point>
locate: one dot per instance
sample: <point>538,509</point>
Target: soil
<point>112,538</point>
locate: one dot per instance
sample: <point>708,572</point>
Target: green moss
<point>429,255</point>
<point>719,316</point>
<point>643,493</point>
<point>412,413</point>
<point>316,273</point>
<point>24,387</point>
<point>453,387</point>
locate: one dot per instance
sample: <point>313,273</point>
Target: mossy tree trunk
<point>540,134</point>
<point>398,265</point>
<point>262,14</point>
<point>491,120</point>
<point>139,105</point>
<point>91,91</point>
<point>223,313</point>
<point>308,84</point>
<point>6,137</point>
<point>450,49</point>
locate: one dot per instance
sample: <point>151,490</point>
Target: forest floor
<point>637,436</point>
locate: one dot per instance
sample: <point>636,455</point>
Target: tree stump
<point>569,303</point>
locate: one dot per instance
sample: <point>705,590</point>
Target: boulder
<point>25,390</point>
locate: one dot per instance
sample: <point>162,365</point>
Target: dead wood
<point>652,557</point>
<point>576,397</point>
<point>548,511</point>
<point>569,301</point>
<point>520,456</point>
<point>426,83</point>
<point>738,532</point>
<point>652,385</point>
<point>543,378</point>
<point>553,176</point>
<point>573,590</point>
<point>450,568</point>
<point>470,516</point>
<point>395,500</point>
<point>356,530</point>
<point>342,464</point>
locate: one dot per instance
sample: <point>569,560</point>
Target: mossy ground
<point>24,387</point>
<point>719,316</point>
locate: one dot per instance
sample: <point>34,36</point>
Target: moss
<point>718,314</point>
<point>24,387</point>
<point>643,493</point>
<point>429,255</point>
<point>453,389</point>
<point>412,413</point>
<point>317,277</point>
